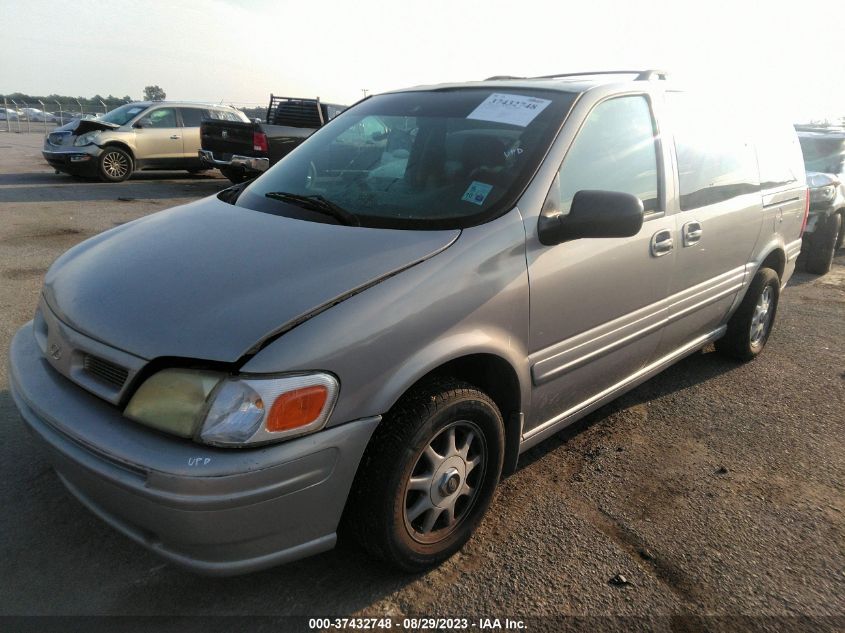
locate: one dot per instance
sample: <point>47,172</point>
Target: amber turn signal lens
<point>296,408</point>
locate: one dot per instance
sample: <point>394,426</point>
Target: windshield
<point>432,160</point>
<point>123,114</point>
<point>823,154</point>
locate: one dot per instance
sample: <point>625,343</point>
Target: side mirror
<point>142,123</point>
<point>592,214</point>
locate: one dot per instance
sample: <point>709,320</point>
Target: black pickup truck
<point>243,150</point>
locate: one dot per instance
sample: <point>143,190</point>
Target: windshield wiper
<point>316,203</point>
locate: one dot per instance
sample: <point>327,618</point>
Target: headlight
<point>86,139</point>
<point>234,410</point>
<point>823,194</point>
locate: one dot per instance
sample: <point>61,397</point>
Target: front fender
<point>471,298</point>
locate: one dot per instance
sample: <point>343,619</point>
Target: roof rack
<point>641,75</point>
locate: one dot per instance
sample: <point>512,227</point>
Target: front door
<point>598,305</point>
<point>158,139</point>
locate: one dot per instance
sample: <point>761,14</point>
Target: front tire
<point>428,475</point>
<point>114,165</point>
<point>823,246</point>
<point>750,326</point>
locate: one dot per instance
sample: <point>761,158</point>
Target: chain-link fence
<point>42,116</point>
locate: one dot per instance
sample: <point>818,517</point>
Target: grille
<point>107,372</point>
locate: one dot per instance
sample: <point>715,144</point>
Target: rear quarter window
<point>779,156</point>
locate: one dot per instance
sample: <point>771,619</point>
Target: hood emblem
<point>55,351</point>
<point>224,133</point>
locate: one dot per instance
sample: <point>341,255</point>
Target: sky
<point>787,54</point>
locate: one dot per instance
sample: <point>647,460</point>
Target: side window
<point>615,150</point>
<point>192,117</point>
<point>716,161</point>
<point>163,117</point>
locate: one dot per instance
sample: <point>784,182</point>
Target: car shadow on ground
<point>41,187</point>
<point>303,587</point>
<point>692,370</point>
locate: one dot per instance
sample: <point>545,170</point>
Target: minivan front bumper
<point>214,511</point>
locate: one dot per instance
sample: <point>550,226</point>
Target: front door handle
<point>692,233</point>
<point>175,136</point>
<point>661,243</point>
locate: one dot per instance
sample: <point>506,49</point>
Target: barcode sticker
<point>511,109</point>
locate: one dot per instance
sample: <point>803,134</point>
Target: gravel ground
<point>715,489</point>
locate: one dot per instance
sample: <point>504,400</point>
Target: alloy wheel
<point>762,317</point>
<point>445,482</point>
<point>116,164</point>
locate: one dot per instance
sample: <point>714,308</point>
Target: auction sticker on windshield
<point>511,109</point>
<point>477,192</point>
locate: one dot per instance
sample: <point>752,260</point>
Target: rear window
<point>192,117</point>
<point>716,157</point>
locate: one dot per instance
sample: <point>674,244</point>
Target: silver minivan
<point>366,337</point>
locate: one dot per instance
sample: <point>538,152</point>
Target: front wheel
<point>750,326</point>
<point>114,165</point>
<point>428,475</point>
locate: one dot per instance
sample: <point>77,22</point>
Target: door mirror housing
<point>144,122</point>
<point>593,214</point>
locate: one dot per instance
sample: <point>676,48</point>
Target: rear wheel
<point>823,245</point>
<point>114,165</point>
<point>428,475</point>
<point>750,326</point>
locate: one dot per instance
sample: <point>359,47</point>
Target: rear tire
<point>823,245</point>
<point>750,326</point>
<point>428,475</point>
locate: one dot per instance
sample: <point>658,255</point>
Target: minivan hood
<point>209,280</point>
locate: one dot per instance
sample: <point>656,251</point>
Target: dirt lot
<point>715,489</point>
